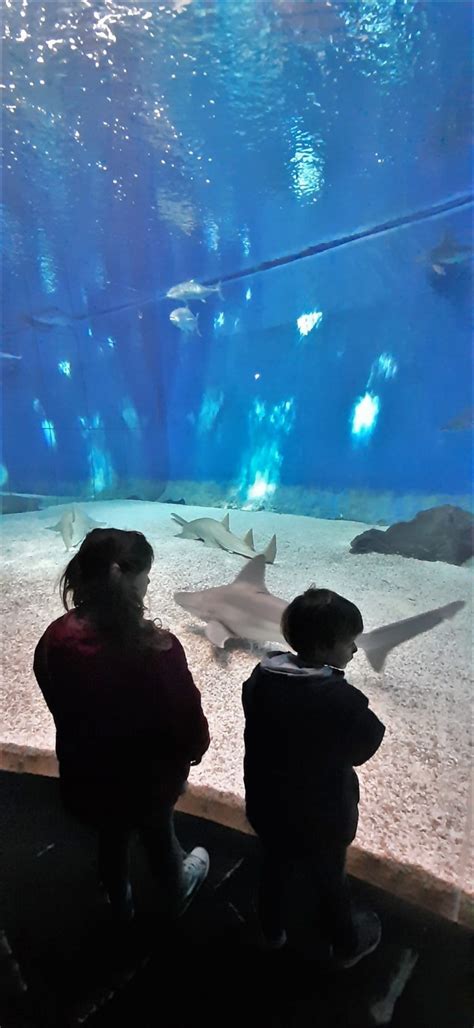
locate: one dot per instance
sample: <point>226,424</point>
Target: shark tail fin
<point>378,644</point>
<point>248,539</point>
<point>270,552</point>
<point>178,519</point>
<point>219,291</point>
<point>225,522</point>
<point>197,326</point>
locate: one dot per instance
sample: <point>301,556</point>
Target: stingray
<point>217,533</point>
<point>245,609</point>
<point>73,525</point>
<point>447,253</point>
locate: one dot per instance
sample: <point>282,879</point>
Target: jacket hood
<point>288,664</point>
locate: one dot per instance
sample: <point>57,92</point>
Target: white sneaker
<point>196,869</point>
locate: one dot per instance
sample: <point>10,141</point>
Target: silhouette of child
<point>129,721</point>
<point>306,728</point>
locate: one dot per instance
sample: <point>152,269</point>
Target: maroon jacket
<point>127,726</point>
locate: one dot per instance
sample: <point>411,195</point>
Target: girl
<point>128,716</point>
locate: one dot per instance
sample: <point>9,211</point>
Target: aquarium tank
<point>237,278</point>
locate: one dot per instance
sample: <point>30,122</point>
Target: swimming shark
<point>463,422</point>
<point>218,533</point>
<point>245,609</point>
<point>446,253</point>
<point>73,525</point>
<point>51,318</point>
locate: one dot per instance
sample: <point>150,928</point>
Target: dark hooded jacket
<point>305,729</point>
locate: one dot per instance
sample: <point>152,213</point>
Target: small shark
<point>192,290</point>
<point>245,609</point>
<point>446,253</point>
<point>73,525</point>
<point>461,423</point>
<point>218,533</point>
<point>10,356</point>
<point>53,317</point>
<point>184,319</point>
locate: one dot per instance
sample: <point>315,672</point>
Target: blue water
<point>311,157</point>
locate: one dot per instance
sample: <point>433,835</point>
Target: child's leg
<point>272,893</point>
<point>163,850</point>
<point>334,901</point>
<point>319,905</point>
<point>113,861</point>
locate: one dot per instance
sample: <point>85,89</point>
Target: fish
<point>73,525</point>
<point>10,356</point>
<point>192,290</point>
<point>245,609</point>
<point>445,254</point>
<point>184,319</point>
<point>217,533</point>
<point>53,317</point>
<point>65,527</point>
<point>461,423</point>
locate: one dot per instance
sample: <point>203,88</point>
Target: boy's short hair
<point>320,618</point>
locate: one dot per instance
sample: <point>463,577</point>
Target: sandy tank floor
<point>416,793</point>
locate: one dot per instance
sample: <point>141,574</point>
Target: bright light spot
<point>248,295</point>
<point>89,332</point>
<point>260,488</point>
<point>3,475</point>
<point>246,245</point>
<point>102,473</point>
<point>49,433</point>
<point>219,320</point>
<point>365,415</point>
<point>306,322</point>
<point>211,233</point>
<point>384,367</point>
<point>210,407</point>
<point>111,342</point>
<point>257,376</point>
<point>38,408</point>
<point>131,418</point>
<point>65,368</point>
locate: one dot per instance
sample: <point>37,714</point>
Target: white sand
<point>415,792</point>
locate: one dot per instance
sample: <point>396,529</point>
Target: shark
<point>73,525</point>
<point>245,609</point>
<point>447,253</point>
<point>218,533</point>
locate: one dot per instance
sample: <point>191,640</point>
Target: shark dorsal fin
<point>253,574</point>
<point>248,539</point>
<point>225,522</point>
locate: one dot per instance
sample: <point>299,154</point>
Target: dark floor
<point>58,939</point>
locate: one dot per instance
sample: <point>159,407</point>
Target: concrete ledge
<point>410,882</point>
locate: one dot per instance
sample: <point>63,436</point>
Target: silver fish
<point>10,356</point>
<point>192,290</point>
<point>184,319</point>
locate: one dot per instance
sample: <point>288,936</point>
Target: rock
<point>441,533</point>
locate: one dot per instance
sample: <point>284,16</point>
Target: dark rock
<point>174,502</point>
<point>441,533</point>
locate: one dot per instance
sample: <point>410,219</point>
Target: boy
<point>306,727</point>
